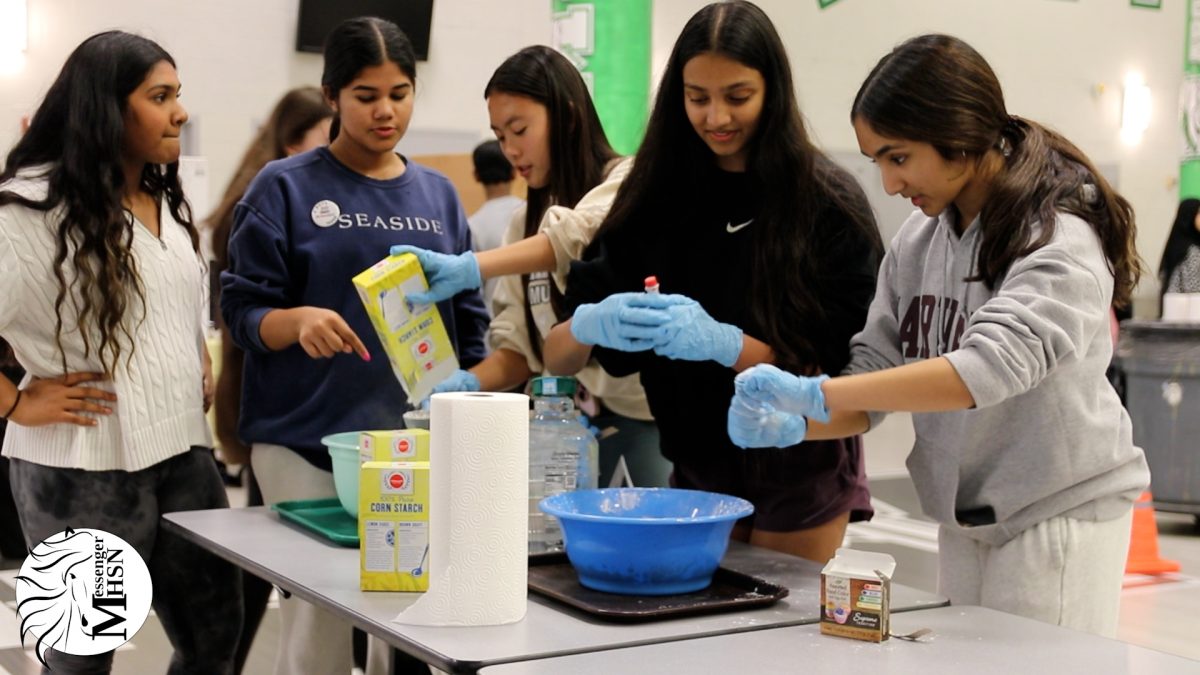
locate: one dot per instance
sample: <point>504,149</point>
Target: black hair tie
<point>13,409</point>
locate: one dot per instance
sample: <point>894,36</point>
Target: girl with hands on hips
<point>991,324</point>
<point>103,305</point>
<point>63,399</point>
<point>765,251</point>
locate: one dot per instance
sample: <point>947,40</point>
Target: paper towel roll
<point>479,511</point>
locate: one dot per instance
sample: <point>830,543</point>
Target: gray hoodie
<point>1048,435</point>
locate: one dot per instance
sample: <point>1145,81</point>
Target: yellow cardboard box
<point>395,445</point>
<point>415,341</point>
<point>393,526</point>
<point>856,595</point>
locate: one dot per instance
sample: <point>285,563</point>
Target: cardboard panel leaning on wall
<point>461,172</point>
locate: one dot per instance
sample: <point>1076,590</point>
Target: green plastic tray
<point>326,517</point>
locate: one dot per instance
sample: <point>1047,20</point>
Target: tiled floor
<point>1158,613</point>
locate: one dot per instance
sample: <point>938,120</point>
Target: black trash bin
<point>1161,364</point>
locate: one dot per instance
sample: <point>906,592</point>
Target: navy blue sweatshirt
<point>305,227</point>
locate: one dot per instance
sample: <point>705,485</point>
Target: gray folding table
<point>301,563</point>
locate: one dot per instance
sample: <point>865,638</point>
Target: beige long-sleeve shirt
<point>569,231</point>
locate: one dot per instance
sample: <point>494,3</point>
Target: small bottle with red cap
<point>651,284</point>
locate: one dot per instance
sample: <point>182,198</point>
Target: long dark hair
<point>359,43</point>
<point>75,140</point>
<point>794,178</point>
<point>579,148</point>
<point>1183,236</point>
<point>936,89</point>
<point>298,111</point>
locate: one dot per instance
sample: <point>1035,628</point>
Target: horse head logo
<point>82,592</point>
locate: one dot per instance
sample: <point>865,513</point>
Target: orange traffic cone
<point>1143,543</point>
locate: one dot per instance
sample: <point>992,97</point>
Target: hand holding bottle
<point>628,322</point>
<point>692,334</point>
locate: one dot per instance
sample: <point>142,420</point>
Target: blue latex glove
<point>587,424</point>
<point>766,385</point>
<point>447,274</point>
<point>461,380</point>
<point>628,322</point>
<point>763,426</point>
<point>693,335</point>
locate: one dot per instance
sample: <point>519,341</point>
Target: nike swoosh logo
<point>731,228</point>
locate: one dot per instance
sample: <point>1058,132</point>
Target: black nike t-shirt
<point>703,249</point>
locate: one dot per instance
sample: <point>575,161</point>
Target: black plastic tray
<point>326,517</point>
<point>551,575</point>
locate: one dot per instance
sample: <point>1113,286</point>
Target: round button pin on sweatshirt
<point>325,213</point>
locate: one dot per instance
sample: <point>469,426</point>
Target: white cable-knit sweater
<point>159,410</point>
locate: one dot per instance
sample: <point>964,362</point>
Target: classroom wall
<point>1050,56</point>
<point>236,57</point>
<point>1060,61</point>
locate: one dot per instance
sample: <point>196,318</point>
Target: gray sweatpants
<point>197,596</point>
<point>1062,571</point>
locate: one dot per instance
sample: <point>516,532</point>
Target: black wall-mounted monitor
<point>318,17</point>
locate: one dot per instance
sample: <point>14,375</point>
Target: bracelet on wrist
<point>13,408</point>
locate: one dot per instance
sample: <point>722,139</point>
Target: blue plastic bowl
<point>646,541</point>
<point>343,450</point>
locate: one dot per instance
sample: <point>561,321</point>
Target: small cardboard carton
<point>394,445</point>
<point>393,526</point>
<point>415,339</point>
<point>856,595</point>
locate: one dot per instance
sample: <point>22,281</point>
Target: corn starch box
<point>393,526</point>
<point>396,445</point>
<point>415,341</point>
<point>856,595</point>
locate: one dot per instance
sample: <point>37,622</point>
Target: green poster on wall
<point>609,41</point>
<point>1189,106</point>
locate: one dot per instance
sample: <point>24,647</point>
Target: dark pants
<point>12,542</point>
<point>197,596</point>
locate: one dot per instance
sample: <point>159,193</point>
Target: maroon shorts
<point>793,488</point>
